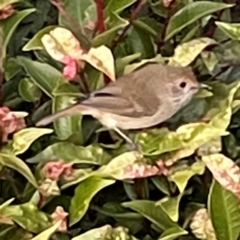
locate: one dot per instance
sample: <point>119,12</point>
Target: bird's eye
<point>183,84</point>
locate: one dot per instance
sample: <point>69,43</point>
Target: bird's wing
<point>123,100</point>
<point>112,104</point>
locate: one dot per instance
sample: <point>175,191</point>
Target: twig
<point>100,27</point>
<point>211,31</point>
<point>77,30</point>
<point>133,16</point>
<point>75,27</point>
<point>84,81</point>
<point>223,69</point>
<point>160,42</point>
<point>1,64</point>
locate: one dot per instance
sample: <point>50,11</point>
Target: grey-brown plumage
<point>141,99</point>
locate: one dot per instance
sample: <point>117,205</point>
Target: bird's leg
<point>133,145</point>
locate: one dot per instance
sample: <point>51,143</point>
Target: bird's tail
<point>73,110</point>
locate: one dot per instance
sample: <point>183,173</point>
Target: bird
<point>141,99</point>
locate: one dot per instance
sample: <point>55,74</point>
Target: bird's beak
<point>204,86</point>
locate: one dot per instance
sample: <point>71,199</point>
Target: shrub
<point>75,179</point>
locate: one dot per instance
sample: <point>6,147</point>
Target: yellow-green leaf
<point>102,59</point>
<point>25,137</point>
<point>46,234</point>
<point>232,30</point>
<point>185,53</point>
<point>84,193</point>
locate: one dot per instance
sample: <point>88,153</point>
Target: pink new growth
<point>9,123</point>
<point>54,170</point>
<point>60,215</point>
<point>71,68</point>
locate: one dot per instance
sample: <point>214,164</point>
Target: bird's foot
<point>134,147</point>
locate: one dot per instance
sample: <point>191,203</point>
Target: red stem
<point>100,27</point>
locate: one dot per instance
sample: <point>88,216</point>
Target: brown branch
<point>74,26</point>
<point>100,27</point>
<point>133,16</point>
<point>160,42</point>
<point>212,29</point>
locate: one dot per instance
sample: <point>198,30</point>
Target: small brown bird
<point>141,99</point>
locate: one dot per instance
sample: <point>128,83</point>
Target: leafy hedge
<point>77,180</point>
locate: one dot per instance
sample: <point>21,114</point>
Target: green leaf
<point>28,217</point>
<point>192,33</point>
<point>14,233</point>
<point>162,184</point>
<point>29,91</point>
<point>191,13</point>
<point>10,24</point>
<point>96,76</point>
<point>106,232</point>
<point>210,60</point>
<point>117,6</point>
<point>159,8</point>
<point>17,164</point>
<point>11,68</point>
<point>181,177</point>
<point>115,210</point>
<point>171,206</point>
<point>44,76</point>
<point>185,54</point>
<point>35,43</point>
<point>23,139</point>
<point>67,89</point>
<point>172,233</point>
<point>121,63</point>
<point>232,30</point>
<point>79,12</point>
<point>69,152</point>
<point>126,218</point>
<point>153,213</point>
<point>224,211</point>
<point>147,24</point>
<point>139,41</point>
<point>115,23</point>
<point>41,111</point>
<point>46,234</point>
<point>69,126</point>
<point>84,193</point>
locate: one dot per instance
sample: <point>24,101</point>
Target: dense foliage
<point>75,179</point>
